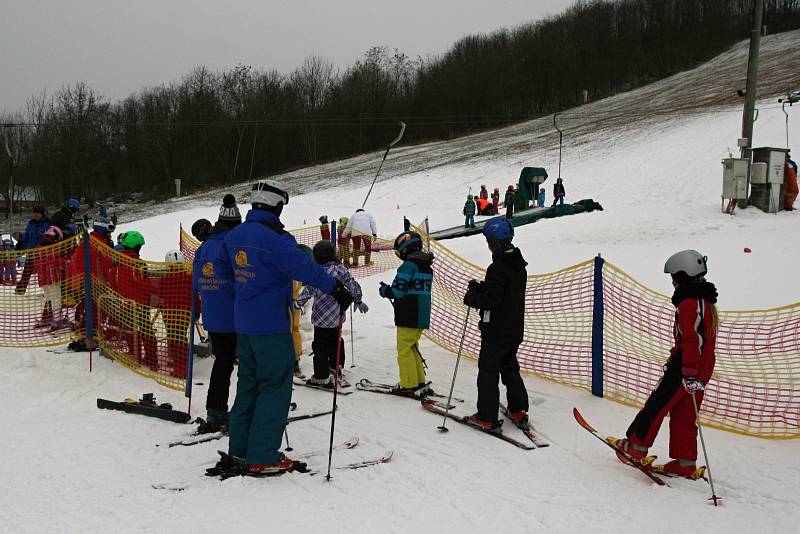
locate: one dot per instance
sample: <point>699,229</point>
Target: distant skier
<point>469,212</point>
<point>542,198</point>
<point>325,315</point>
<point>211,275</point>
<point>509,201</point>
<point>410,294</point>
<point>342,242</point>
<point>31,236</point>
<point>324,228</point>
<point>8,262</point>
<point>496,200</point>
<point>50,264</point>
<point>558,192</point>
<point>484,193</point>
<point>362,229</point>
<point>501,301</point>
<point>686,373</point>
<point>64,218</point>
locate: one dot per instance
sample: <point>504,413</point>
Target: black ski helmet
<point>201,229</point>
<point>324,251</point>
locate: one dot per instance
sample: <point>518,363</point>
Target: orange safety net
<point>42,295</point>
<point>142,313</point>
<point>756,385</point>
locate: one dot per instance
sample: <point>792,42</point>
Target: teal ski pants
<point>263,394</point>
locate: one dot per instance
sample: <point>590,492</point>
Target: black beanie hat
<point>229,212</point>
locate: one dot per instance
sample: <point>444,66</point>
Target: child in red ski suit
<point>687,371</point>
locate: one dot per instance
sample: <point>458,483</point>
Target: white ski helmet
<point>689,262</point>
<point>174,256</point>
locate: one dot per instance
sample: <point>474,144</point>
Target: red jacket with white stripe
<point>695,337</point>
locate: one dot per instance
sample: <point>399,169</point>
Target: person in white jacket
<point>361,226</point>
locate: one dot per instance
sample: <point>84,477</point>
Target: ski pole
<point>444,428</point>
<point>286,434</point>
<point>705,453</point>
<point>335,392</point>
<point>352,343</point>
<point>396,140</point>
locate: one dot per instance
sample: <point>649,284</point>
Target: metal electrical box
<point>768,195</point>
<point>758,173</point>
<point>734,178</point>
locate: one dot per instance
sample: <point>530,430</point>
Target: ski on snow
<point>196,439</point>
<point>388,389</point>
<point>146,406</point>
<point>463,420</point>
<point>631,462</point>
<point>323,388</point>
<point>527,429</point>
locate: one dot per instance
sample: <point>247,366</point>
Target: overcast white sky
<point>119,46</point>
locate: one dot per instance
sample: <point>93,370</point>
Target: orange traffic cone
<point>398,207</point>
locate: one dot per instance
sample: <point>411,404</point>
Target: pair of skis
<point>390,389</point>
<point>536,442</point>
<point>645,467</point>
<point>302,466</point>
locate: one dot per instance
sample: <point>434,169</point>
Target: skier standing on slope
<point>496,200</point>
<point>362,228</point>
<point>410,294</point>
<point>264,259</point>
<point>212,275</point>
<point>325,315</point>
<point>501,301</point>
<point>509,201</point>
<point>687,371</point>
<point>469,212</point>
<point>484,193</point>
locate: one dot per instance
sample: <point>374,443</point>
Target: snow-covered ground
<point>72,468</point>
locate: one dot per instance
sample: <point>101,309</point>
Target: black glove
<point>342,296</point>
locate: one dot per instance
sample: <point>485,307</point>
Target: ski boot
<point>216,421</point>
<point>519,418</point>
<point>637,453</point>
<point>282,465</point>
<point>681,468</point>
<point>227,466</point>
<point>495,427</point>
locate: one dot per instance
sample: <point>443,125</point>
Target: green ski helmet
<point>132,239</point>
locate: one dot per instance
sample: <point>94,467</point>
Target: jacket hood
<point>700,289</point>
<point>512,257</point>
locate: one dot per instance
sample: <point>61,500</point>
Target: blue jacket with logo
<point>264,259</point>
<point>213,279</point>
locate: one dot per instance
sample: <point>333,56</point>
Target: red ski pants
<point>671,398</point>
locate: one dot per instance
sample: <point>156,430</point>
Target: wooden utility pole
<point>752,79</point>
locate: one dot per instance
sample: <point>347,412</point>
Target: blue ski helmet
<point>498,229</point>
<point>406,243</point>
<point>73,204</point>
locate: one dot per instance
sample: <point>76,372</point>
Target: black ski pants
<point>499,360</point>
<point>324,347</point>
<point>224,347</point>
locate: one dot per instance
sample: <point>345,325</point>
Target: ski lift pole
<point>560,139</point>
<point>388,148</point>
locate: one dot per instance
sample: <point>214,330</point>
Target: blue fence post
<point>333,233</point>
<point>87,289</point>
<point>597,328</point>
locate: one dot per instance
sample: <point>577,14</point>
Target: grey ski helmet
<point>689,262</point>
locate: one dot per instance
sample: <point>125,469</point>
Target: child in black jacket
<point>501,301</point>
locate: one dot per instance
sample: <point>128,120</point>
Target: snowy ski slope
<point>72,468</point>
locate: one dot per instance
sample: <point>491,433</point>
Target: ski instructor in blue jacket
<point>265,259</point>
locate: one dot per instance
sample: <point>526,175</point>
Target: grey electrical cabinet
<point>768,196</point>
<point>734,178</point>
